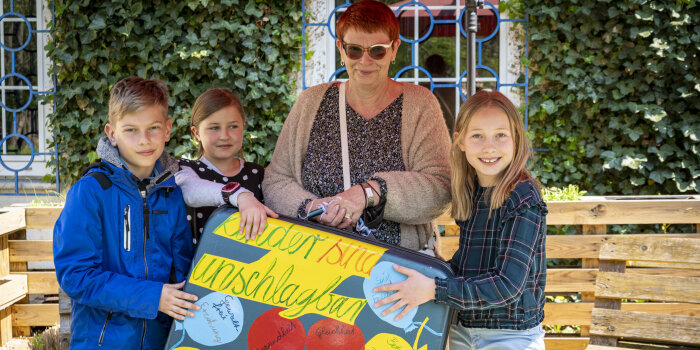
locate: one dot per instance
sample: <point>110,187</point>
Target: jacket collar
<point>167,166</point>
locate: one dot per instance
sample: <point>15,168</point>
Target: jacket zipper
<point>104,328</point>
<point>127,228</point>
<point>142,191</point>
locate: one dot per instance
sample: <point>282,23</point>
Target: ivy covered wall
<point>249,46</point>
<point>615,94</point>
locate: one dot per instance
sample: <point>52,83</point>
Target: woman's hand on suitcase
<point>410,293</point>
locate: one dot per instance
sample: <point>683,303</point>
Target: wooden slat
<point>565,343</point>
<point>659,288</point>
<point>42,217</point>
<point>580,313</point>
<point>11,220</point>
<point>39,250</point>
<point>601,347</point>
<point>598,211</point>
<point>664,272</point>
<point>12,289</point>
<point>664,264</point>
<point>567,313</point>
<point>564,246</point>
<point>570,280</point>
<point>34,315</point>
<point>639,325</point>
<point>660,249</point>
<point>4,255</point>
<point>574,246</point>
<point>43,282</point>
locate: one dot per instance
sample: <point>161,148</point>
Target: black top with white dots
<point>250,177</point>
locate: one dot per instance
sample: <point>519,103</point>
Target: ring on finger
<point>348,215</point>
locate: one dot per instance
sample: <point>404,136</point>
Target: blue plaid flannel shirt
<point>500,265</point>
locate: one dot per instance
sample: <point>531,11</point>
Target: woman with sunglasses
<point>389,174</point>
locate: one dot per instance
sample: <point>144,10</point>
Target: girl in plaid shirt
<point>500,266</point>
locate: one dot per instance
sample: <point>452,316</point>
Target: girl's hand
<point>415,290</point>
<point>253,215</point>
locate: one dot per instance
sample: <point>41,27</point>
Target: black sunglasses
<point>376,52</point>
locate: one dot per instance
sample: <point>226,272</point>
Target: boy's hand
<point>253,215</point>
<point>415,290</point>
<point>173,301</point>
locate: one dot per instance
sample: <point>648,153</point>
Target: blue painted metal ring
<point>430,29</point>
<point>478,66</point>
<point>490,36</point>
<point>31,92</point>
<point>331,29</point>
<point>31,148</point>
<point>432,84</point>
<point>29,31</point>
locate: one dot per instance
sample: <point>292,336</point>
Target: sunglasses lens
<point>377,52</point>
<point>354,52</point>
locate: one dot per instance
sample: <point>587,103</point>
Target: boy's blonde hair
<point>134,93</point>
<point>210,102</point>
<point>464,177</point>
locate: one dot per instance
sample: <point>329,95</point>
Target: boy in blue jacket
<point>123,235</point>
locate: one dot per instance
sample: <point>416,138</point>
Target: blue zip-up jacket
<point>114,249</point>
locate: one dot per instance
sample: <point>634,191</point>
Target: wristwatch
<point>228,190</point>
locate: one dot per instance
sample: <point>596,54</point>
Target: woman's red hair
<point>368,16</point>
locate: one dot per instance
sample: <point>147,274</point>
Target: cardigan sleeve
<point>421,193</point>
<point>282,186</point>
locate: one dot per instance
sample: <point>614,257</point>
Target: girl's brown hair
<point>464,178</point>
<point>210,102</point>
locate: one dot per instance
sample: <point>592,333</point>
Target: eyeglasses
<point>375,52</point>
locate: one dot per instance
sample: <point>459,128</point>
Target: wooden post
<point>64,310</point>
<point>24,331</point>
<point>590,264</point>
<point>614,304</point>
<point>5,314</point>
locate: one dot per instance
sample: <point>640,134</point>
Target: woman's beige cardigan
<point>415,196</point>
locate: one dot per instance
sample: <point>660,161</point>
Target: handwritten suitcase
<point>301,285</point>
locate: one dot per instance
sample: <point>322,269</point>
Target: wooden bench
<point>17,315</point>
<point>670,274</point>
<point>593,213</point>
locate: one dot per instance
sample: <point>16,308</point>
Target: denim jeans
<point>462,338</point>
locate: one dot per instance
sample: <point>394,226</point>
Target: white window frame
<point>38,168</point>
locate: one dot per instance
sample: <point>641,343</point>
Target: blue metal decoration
<point>330,26</point>
<point>32,93</point>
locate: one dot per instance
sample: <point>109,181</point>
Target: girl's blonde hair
<point>464,178</point>
<point>210,102</point>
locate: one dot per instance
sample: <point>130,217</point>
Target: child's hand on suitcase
<point>253,215</point>
<point>412,292</point>
<point>174,302</point>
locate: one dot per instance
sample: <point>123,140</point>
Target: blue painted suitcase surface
<point>299,286</point>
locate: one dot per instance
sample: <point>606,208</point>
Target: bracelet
<point>364,194</point>
<point>375,190</point>
<point>369,195</point>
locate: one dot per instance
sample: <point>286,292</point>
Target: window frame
<point>36,163</point>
